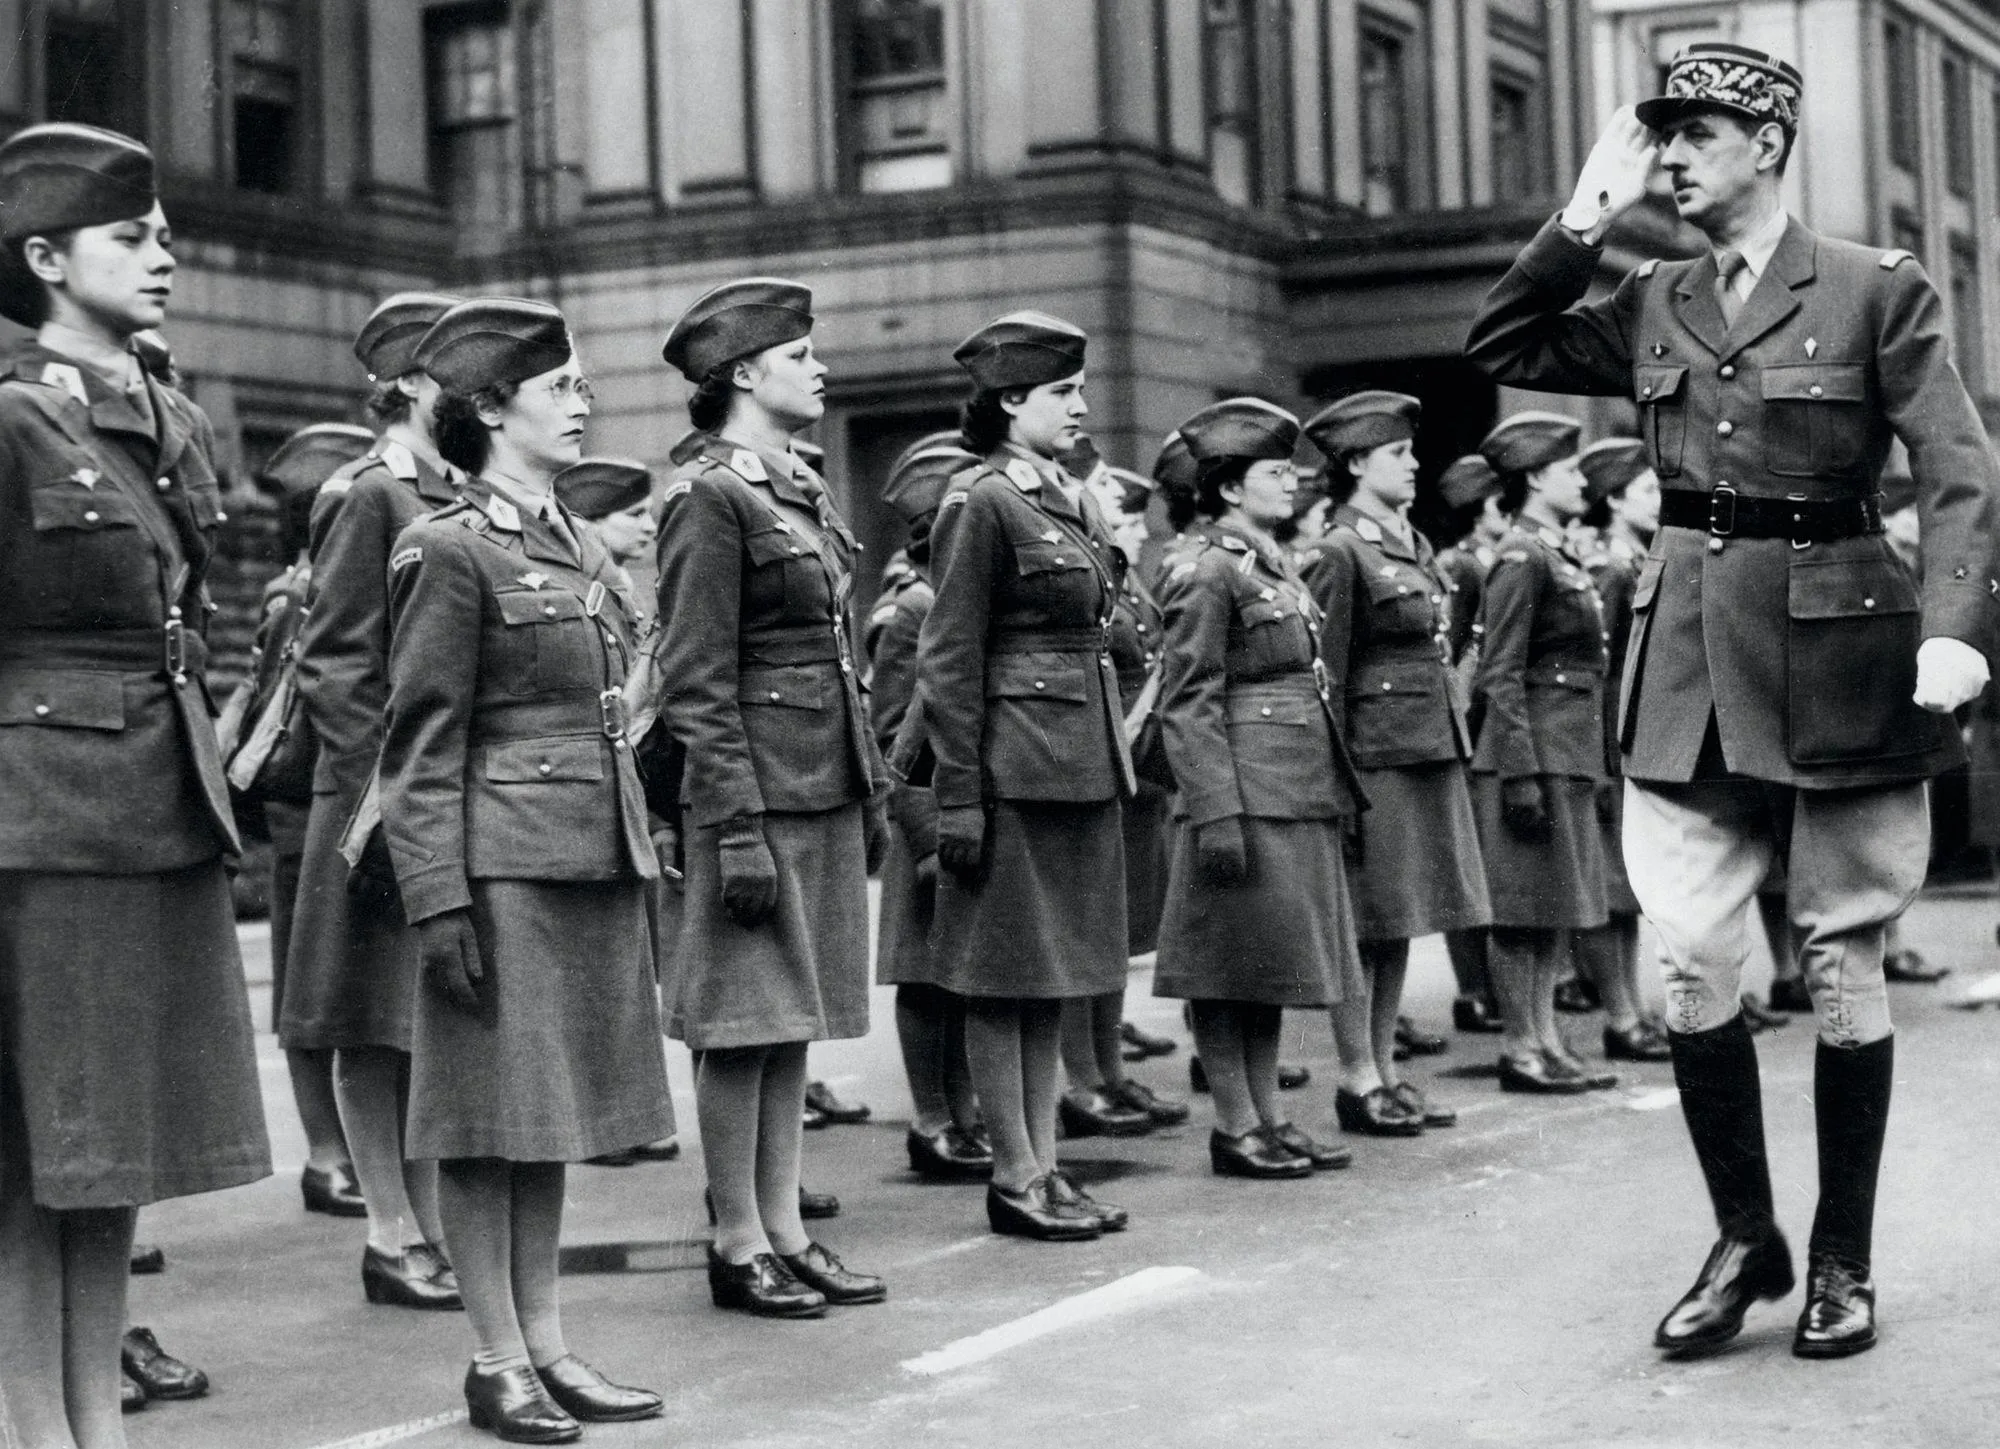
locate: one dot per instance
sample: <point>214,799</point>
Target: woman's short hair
<point>982,422</point>
<point>708,409</point>
<point>1213,475</point>
<point>463,439</point>
<point>388,403</point>
<point>24,297</point>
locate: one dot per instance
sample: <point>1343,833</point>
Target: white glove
<point>1614,176</point>
<point>1950,673</point>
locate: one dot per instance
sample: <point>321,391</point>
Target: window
<point>899,102</point>
<point>263,38</point>
<point>1899,53</point>
<point>1385,113</point>
<point>1518,151</point>
<point>1232,99</point>
<point>475,143</point>
<point>1957,80</point>
<point>83,64</point>
<point>1968,331</point>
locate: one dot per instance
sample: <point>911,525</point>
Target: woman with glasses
<point>783,785</point>
<point>518,829</point>
<point>1257,915</point>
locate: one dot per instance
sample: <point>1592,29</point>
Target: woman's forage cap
<point>1609,466</point>
<point>312,455</point>
<point>1022,349</point>
<point>1467,481</point>
<point>1241,427</point>
<point>1362,421</point>
<point>493,340</point>
<point>599,487</point>
<point>60,176</point>
<point>1531,440</point>
<point>735,320</point>
<point>386,345</point>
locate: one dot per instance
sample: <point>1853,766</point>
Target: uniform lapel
<point>1774,298</point>
<point>1696,305</point>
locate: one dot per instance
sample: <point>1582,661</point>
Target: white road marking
<point>1113,1298</point>
<point>949,1250</point>
<point>1655,1101</point>
<point>397,1433</point>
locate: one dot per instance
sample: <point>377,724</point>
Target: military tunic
<point>1138,632</point>
<point>508,788</point>
<point>759,687</point>
<point>353,977</point>
<point>1019,704</point>
<point>1250,731</point>
<point>1386,645</point>
<point>125,1036</point>
<point>1541,675</point>
<point>903,949</point>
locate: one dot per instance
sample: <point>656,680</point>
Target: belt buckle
<point>176,653</point>
<point>1799,545</point>
<point>611,713</point>
<point>1722,511</point>
<point>1320,680</point>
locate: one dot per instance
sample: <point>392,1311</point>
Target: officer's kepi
<point>1715,75</point>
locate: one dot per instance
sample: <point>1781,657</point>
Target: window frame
<point>307,140</point>
<point>1408,22</point>
<point>1903,133</point>
<point>849,93</point>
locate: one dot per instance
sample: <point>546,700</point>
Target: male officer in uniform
<point>1788,685</point>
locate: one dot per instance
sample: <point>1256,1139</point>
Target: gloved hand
<point>373,877</point>
<point>667,845</point>
<point>1614,175</point>
<point>449,949</point>
<point>875,829</point>
<point>1524,809</point>
<point>1219,852</point>
<point>1353,843</point>
<point>927,883</point>
<point>961,839</point>
<point>1607,802</point>
<point>1950,673</point>
<point>749,874</point>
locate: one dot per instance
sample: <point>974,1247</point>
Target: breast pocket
<point>62,699</point>
<point>546,643</point>
<point>65,505</point>
<point>1661,393</point>
<point>1400,603</point>
<point>1815,418</point>
<point>1852,661</point>
<point>776,557</point>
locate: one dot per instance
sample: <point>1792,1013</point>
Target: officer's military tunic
<point>903,948</point>
<point>1019,703</point>
<point>354,973</point>
<point>1251,735</point>
<point>1541,674</point>
<point>1386,644</point>
<point>508,788</point>
<point>125,1037</point>
<point>759,686</point>
<point>1614,568</point>
<point>1138,636</point>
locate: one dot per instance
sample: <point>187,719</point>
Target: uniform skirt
<point>1147,829</point>
<point>1283,936</point>
<point>1554,884</point>
<point>1420,870</point>
<point>800,976</point>
<point>125,1038</point>
<point>562,1060</point>
<point>903,936</point>
<point>1047,919</point>
<point>287,824</point>
<point>351,973</point>
<point>1618,897</point>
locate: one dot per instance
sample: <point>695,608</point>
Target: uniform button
<point>174,612</point>
<point>90,516</point>
<point>1402,588</point>
<point>1715,545</point>
<point>1142,627</point>
<point>163,484</point>
<point>776,697</point>
<point>1728,371</point>
<point>1867,603</point>
<point>1646,391</point>
<point>546,768</point>
<point>220,516</point>
<point>1040,685</point>
<point>1725,427</point>
<point>1061,559</point>
<point>797,550</point>
<point>549,609</point>
<point>1561,678</point>
<point>1265,711</point>
<point>41,711</point>
<point>1387,685</point>
<point>1816,391</point>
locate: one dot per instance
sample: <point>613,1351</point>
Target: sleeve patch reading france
<point>957,495</point>
<point>407,556</point>
<point>676,490</point>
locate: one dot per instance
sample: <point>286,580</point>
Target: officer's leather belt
<point>802,644</point>
<point>107,651</point>
<point>1725,513</point>
<point>1048,641</point>
<point>502,720</point>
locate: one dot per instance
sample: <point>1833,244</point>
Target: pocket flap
<point>72,698</point>
<point>1258,612</point>
<point>538,606</point>
<point>773,545</point>
<point>1406,676</point>
<point>68,504</point>
<point>798,686</point>
<point>1648,583</point>
<point>531,762</point>
<point>1282,709</point>
<point>1574,677</point>
<point>1816,382</point>
<point>1655,383</point>
<point>1037,676</point>
<point>1855,588</point>
<point>1040,556</point>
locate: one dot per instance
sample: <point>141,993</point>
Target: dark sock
<point>1851,1109</point>
<point>1723,1102</point>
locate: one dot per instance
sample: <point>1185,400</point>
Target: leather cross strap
<point>1725,513</point>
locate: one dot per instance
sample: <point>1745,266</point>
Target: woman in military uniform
<point>1415,863</point>
<point>946,1142</point>
<point>783,806</point>
<point>518,831</point>
<point>127,1073</point>
<point>1540,758</point>
<point>1018,704</point>
<point>1258,916</point>
<point>354,972</point>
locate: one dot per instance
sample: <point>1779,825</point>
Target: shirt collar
<point>543,507</point>
<point>1760,246</point>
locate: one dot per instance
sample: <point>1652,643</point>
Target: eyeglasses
<point>565,388</point>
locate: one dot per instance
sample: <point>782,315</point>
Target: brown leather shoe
<point>763,1286</point>
<point>821,1271</point>
<point>513,1405</point>
<point>1253,1155</point>
<point>1533,1075</point>
<point>158,1373</point>
<point>417,1277</point>
<point>1067,1196</point>
<point>1030,1213</point>
<point>1324,1156</point>
<point>1375,1114</point>
<point>1412,1100</point>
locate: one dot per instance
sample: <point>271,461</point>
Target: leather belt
<point>1051,641</point>
<point>1725,513</point>
<point>498,721</point>
<point>170,650</point>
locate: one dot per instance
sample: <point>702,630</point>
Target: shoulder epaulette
<point>1515,555</point>
<point>1890,260</point>
<point>336,485</point>
<point>1647,268</point>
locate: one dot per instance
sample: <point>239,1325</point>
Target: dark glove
<point>1353,844</point>
<point>875,830</point>
<point>749,874</point>
<point>667,845</point>
<point>926,895</point>
<point>373,877</point>
<point>961,839</point>
<point>449,948</point>
<point>1219,852</point>
<point>1524,810</point>
<point>1607,803</point>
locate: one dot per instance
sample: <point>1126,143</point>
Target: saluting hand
<point>749,872</point>
<point>1219,851</point>
<point>1524,809</point>
<point>961,840</point>
<point>1950,674</point>
<point>449,948</point>
<point>1614,175</point>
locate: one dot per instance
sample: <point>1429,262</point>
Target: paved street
<point>1492,1284</point>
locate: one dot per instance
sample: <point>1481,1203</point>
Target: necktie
<point>1727,265</point>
